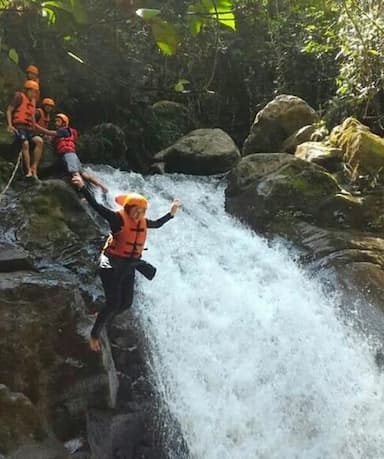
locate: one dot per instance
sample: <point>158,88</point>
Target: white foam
<point>248,354</point>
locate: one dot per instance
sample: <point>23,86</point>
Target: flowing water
<point>248,353</point>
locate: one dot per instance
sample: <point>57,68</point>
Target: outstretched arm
<point>175,206</point>
<point>112,217</point>
<point>44,131</point>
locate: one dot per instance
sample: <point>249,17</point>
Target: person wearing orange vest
<point>64,141</point>
<point>43,114</point>
<point>121,255</point>
<point>20,115</point>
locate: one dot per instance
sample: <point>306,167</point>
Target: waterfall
<point>248,353</point>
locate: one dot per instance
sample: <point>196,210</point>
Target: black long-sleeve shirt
<point>114,219</point>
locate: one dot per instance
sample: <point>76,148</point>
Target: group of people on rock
<point>121,255</point>
<point>29,123</point>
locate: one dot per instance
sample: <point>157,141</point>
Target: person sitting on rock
<point>121,255</point>
<point>20,116</point>
<point>43,114</point>
<point>64,141</point>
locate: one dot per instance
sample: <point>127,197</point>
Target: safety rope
<point>12,176</point>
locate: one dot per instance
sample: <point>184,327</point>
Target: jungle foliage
<point>218,61</point>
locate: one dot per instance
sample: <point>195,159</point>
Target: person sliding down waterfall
<point>121,255</point>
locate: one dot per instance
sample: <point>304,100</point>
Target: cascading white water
<point>248,353</point>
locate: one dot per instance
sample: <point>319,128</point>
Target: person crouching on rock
<point>64,141</point>
<point>121,255</point>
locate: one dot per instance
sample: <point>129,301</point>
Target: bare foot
<point>94,344</point>
<point>104,189</point>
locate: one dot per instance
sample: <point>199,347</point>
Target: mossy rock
<point>324,155</point>
<point>278,188</point>
<point>363,151</point>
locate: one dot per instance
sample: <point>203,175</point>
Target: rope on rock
<point>12,176</point>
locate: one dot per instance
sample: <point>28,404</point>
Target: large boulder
<point>45,354</point>
<point>363,151</point>
<point>55,227</point>
<point>263,186</point>
<point>302,135</point>
<point>277,121</point>
<point>201,152</point>
<point>324,155</point>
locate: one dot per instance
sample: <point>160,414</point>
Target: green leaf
<point>57,4</point>
<point>50,14</point>
<point>73,7</point>
<point>179,86</point>
<point>227,19</point>
<point>196,21</point>
<point>147,13</point>
<point>166,36</point>
<point>12,54</point>
<point>222,11</point>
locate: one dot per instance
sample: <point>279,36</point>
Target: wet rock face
<point>201,152</point>
<point>19,420</point>
<point>45,355</point>
<point>49,242</point>
<point>276,122</point>
<point>277,194</point>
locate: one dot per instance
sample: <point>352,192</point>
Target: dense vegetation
<point>159,68</point>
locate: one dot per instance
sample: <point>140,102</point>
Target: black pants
<point>118,288</point>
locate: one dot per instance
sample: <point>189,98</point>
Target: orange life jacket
<point>129,241</point>
<point>24,114</point>
<point>44,119</point>
<point>66,144</point>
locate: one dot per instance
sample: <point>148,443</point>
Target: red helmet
<point>63,118</point>
<point>32,69</point>
<point>30,84</point>
<point>48,101</point>
<point>132,199</point>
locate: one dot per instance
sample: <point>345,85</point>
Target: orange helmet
<point>132,199</point>
<point>48,101</point>
<point>32,69</point>
<point>63,118</point>
<point>30,84</point>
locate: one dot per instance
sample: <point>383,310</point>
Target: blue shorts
<point>24,133</point>
<point>71,162</point>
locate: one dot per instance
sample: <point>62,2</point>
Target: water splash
<point>247,352</point>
